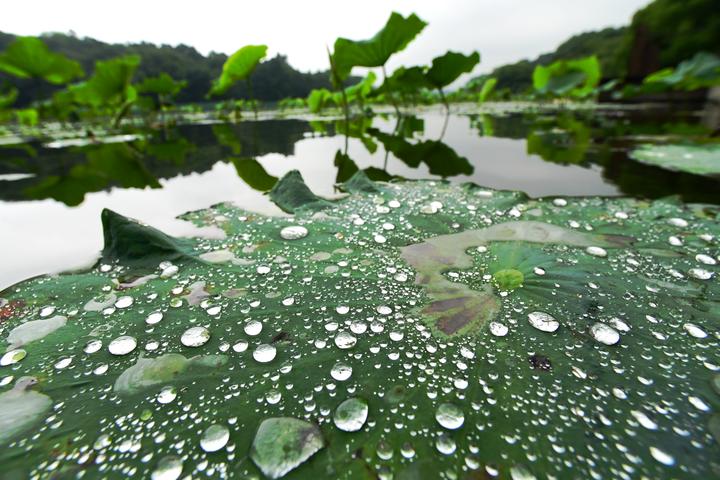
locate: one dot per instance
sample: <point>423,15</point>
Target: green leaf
<point>697,159</point>
<point>405,80</point>
<point>238,66</point>
<point>318,99</point>
<point>8,97</point>
<point>110,83</point>
<point>29,57</point>
<point>292,195</point>
<point>487,89</point>
<point>447,68</point>
<point>701,71</point>
<point>575,78</point>
<point>162,84</point>
<point>28,117</point>
<point>397,33</point>
<point>426,330</point>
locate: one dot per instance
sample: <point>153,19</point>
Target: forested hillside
<point>273,80</point>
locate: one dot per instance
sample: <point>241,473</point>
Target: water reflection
<point>157,175</point>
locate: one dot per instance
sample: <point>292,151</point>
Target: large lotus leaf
<point>445,69</point>
<point>162,84</point>
<point>405,80</point>
<point>576,78</point>
<point>238,66</point>
<point>550,338</point>
<point>318,99</point>
<point>697,159</point>
<point>109,83</point>
<point>397,33</point>
<point>701,71</point>
<point>29,57</point>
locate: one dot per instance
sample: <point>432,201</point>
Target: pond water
<point>52,193</point>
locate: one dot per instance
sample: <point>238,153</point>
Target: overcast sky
<point>502,30</point>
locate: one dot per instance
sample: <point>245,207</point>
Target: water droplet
<point>384,310</point>
<point>662,457</point>
<point>253,327</point>
<point>168,468</point>
<point>264,353</point>
<point>167,395</point>
<point>240,346</point>
<point>449,416</point>
<point>195,336</point>
<point>498,329</point>
<point>345,340</point>
<point>445,445</point>
<point>596,251</point>
<point>214,438</point>
<point>350,415</point>
<point>63,363</point>
<point>341,371</point>
<point>604,334</point>
<point>122,345</point>
<point>153,318</point>
<point>694,330</point>
<point>11,357</point>
<point>705,259</point>
<point>543,321</point>
<point>293,232</point>
<point>678,222</point>
<point>282,444</point>
<point>124,302</point>
<point>700,273</point>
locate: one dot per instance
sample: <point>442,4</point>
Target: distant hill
<point>604,43</point>
<point>273,80</point>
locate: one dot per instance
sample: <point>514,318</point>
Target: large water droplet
<point>281,444</point>
<point>195,337</point>
<point>122,345</point>
<point>168,468</point>
<point>449,416</point>
<point>214,438</point>
<point>543,321</point>
<point>604,334</point>
<point>350,415</point>
<point>293,232</point>
<point>264,353</point>
<point>345,340</point>
<point>341,371</point>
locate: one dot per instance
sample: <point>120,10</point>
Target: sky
<point>504,31</point>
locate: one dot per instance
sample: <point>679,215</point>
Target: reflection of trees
<point>67,174</point>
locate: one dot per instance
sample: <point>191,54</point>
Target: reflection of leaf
<point>106,165</point>
<point>173,150</point>
<point>253,173</point>
<point>375,52</point>
<point>697,159</point>
<point>238,66</point>
<point>566,142</point>
<point>440,158</point>
<point>448,67</point>
<point>225,135</point>
<point>29,57</point>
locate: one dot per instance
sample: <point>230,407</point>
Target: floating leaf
<point>697,159</point>
<point>484,331</point>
